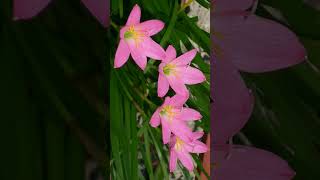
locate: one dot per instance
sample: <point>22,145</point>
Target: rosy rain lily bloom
<point>244,163</point>
<point>177,72</point>
<point>26,9</point>
<point>173,117</point>
<point>135,40</point>
<point>245,42</point>
<point>181,150</point>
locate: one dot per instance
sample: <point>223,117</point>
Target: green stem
<point>171,24</point>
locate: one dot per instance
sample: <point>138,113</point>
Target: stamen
<point>179,144</point>
<point>134,34</point>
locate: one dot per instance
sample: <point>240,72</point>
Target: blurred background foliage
<point>53,94</point>
<point>137,151</point>
<point>286,118</point>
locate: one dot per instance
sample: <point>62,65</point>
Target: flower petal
<point>138,55</point>
<point>163,85</point>
<point>197,135</point>
<point>177,100</point>
<point>188,114</point>
<point>258,45</point>
<point>173,160</point>
<point>166,131</point>
<point>181,130</point>
<point>152,27</point>
<point>243,163</point>
<point>100,9</point>
<point>25,9</point>
<point>178,86</point>
<point>185,58</point>
<point>153,49</point>
<point>186,160</point>
<point>232,101</point>
<point>199,147</point>
<point>134,17</point>
<point>122,54</point>
<point>155,119</point>
<point>193,76</point>
<point>170,53</point>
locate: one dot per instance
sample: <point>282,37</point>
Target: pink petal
<point>25,9</point>
<point>243,163</point>
<point>193,76</point>
<point>173,160</point>
<point>188,114</point>
<point>256,44</point>
<point>170,53</point>
<point>185,58</point>
<point>166,132</point>
<point>152,27</point>
<point>134,17</point>
<point>155,119</point>
<point>231,5</point>
<point>153,49</point>
<point>138,55</point>
<point>186,160</point>
<point>100,9</point>
<point>199,147</point>
<point>181,130</point>
<point>163,85</point>
<point>178,86</point>
<point>122,54</point>
<point>177,100</point>
<point>197,135</point>
<point>232,102</point>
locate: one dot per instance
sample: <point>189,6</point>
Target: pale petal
<point>186,160</point>
<point>185,58</point>
<point>199,147</point>
<point>232,101</point>
<point>173,160</point>
<point>193,76</point>
<point>188,114</point>
<point>152,49</point>
<point>166,131</point>
<point>163,85</point>
<point>197,135</point>
<point>178,86</point>
<point>25,9</point>
<point>122,54</point>
<point>255,44</point>
<point>138,55</point>
<point>181,130</point>
<point>178,101</point>
<point>170,53</point>
<point>100,10</point>
<point>155,119</point>
<point>243,163</point>
<point>151,27</point>
<point>134,17</point>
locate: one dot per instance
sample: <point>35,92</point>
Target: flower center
<point>133,34</point>
<point>169,69</point>
<point>168,111</point>
<point>179,144</point>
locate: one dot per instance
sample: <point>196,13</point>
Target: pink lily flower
<point>173,117</point>
<point>26,9</point>
<point>243,163</point>
<point>181,150</point>
<point>245,42</point>
<point>135,40</point>
<point>177,72</point>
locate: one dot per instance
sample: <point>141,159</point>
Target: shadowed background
<point>53,119</point>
